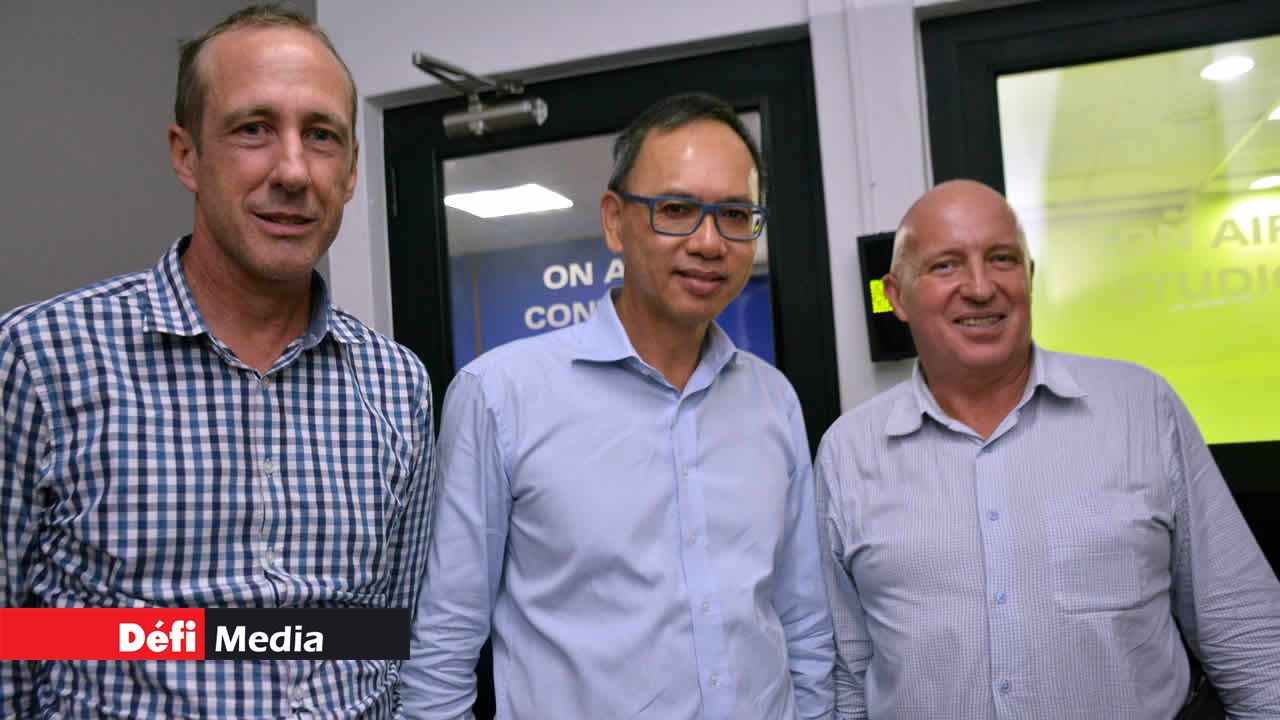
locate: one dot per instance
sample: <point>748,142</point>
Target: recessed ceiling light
<point>1265,183</point>
<point>1228,68</point>
<point>1275,114</point>
<point>518,200</point>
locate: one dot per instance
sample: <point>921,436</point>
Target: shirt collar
<point>1047,370</point>
<point>172,310</point>
<point>603,339</point>
<point>327,319</point>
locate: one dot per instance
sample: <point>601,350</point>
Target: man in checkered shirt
<point>213,432</point>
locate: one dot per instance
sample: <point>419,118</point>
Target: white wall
<point>868,85</point>
<point>88,94</point>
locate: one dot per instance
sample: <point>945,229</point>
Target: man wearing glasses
<point>627,504</point>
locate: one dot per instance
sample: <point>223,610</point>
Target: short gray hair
<point>188,104</point>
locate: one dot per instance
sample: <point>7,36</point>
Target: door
<point>1139,143</point>
<point>462,283</point>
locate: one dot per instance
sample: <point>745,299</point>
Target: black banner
<point>307,633</point>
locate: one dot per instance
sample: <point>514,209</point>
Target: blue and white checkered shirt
<point>143,464</point>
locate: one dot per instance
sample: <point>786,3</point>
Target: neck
<point>257,319</point>
<point>671,349</point>
<point>983,402</point>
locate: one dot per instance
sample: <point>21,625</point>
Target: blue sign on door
<point>504,295</point>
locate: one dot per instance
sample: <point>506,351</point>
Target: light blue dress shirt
<point>642,552</point>
<point>1039,573</point>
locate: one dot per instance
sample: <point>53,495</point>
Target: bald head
<point>961,279</point>
<point>948,205</point>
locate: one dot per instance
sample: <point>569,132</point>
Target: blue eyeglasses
<point>672,215</point>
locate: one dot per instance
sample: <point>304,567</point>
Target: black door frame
<point>964,55</point>
<point>774,79</point>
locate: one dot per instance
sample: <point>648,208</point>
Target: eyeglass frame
<point>706,208</point>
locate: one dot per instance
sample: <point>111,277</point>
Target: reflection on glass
<point>517,274</point>
<point>1141,184</point>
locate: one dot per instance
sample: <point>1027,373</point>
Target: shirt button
<point>1005,687</point>
<point>299,693</point>
<point>705,607</point>
<point>993,515</point>
<point>1000,598</point>
<point>693,538</point>
<point>269,467</point>
<point>264,383</point>
<point>715,679</point>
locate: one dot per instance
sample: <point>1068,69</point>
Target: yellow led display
<point>879,303</point>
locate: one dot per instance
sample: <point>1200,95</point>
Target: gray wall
<point>86,190</point>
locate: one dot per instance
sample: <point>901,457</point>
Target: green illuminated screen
<point>879,301</point>
<point>1146,195</point>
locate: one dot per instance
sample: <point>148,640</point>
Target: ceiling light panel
<point>1227,68</point>
<point>518,200</point>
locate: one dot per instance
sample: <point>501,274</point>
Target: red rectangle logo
<point>101,634</point>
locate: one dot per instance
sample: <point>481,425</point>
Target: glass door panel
<point>524,273</point>
<point>1149,190</point>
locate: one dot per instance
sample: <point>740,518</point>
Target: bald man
<point>1019,533</point>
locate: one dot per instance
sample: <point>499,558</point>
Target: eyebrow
<point>745,200</point>
<point>266,111</point>
<point>1008,246</point>
<point>959,252</point>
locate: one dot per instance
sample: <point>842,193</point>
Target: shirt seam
<point>41,393</point>
<point>491,408</point>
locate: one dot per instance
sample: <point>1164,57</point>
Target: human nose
<point>706,240</point>
<point>291,172</point>
<point>978,285</point>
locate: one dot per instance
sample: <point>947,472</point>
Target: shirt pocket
<point>1092,556</point>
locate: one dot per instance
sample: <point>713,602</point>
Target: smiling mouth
<point>703,276</point>
<point>285,219</point>
<point>980,321</point>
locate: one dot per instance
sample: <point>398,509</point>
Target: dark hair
<point>672,113</point>
<point>188,104</point>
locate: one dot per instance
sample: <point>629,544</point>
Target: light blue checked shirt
<point>143,464</point>
<point>643,552</point>
<point>1039,573</point>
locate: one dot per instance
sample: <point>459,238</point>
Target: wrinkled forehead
<point>246,59</point>
<point>976,225</point>
<point>704,151</point>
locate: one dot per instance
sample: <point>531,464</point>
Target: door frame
<point>964,56</point>
<point>775,80</point>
